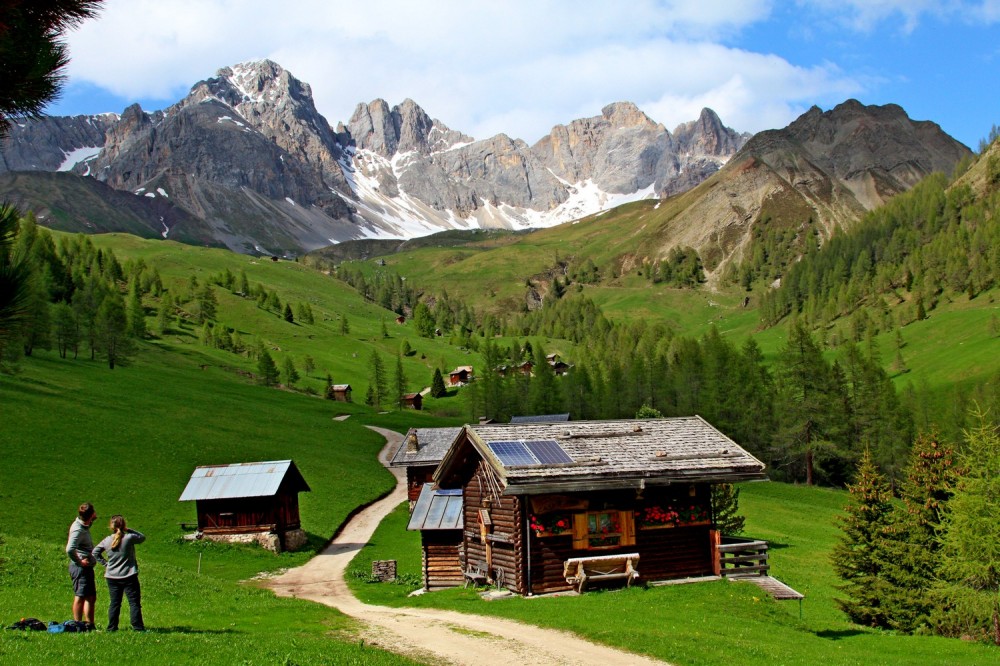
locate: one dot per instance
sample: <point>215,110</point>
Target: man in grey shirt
<point>79,548</point>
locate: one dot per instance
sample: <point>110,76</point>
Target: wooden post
<point>715,538</point>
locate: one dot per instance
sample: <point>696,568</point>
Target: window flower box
<point>548,525</point>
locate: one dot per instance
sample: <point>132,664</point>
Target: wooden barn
<point>438,516</point>
<point>413,401</point>
<point>339,392</point>
<point>249,502</point>
<point>419,453</point>
<point>549,507</point>
<point>460,376</point>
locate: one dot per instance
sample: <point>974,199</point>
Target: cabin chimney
<point>412,445</point>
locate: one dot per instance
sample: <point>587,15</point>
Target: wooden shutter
<point>580,541</point>
<point>625,519</point>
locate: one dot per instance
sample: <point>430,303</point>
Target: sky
<point>519,67</point>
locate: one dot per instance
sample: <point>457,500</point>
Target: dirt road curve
<point>434,636</point>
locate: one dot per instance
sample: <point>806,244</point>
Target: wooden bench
<point>475,574</point>
<point>579,571</point>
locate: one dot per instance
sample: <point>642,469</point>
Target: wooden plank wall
<point>441,562</point>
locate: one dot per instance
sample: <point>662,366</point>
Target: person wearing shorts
<point>79,547</point>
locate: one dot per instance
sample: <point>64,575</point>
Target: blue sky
<point>520,67</point>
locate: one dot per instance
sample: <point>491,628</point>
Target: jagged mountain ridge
<point>247,153</point>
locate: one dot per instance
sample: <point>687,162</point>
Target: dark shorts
<point>83,580</point>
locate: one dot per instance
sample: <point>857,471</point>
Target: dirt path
<point>434,636</point>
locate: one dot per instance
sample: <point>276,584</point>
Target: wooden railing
<point>742,557</point>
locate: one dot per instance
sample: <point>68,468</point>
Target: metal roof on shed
<point>437,509</point>
<point>257,479</point>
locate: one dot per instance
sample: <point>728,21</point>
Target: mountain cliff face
<point>54,143</point>
<point>824,169</point>
<point>255,167</point>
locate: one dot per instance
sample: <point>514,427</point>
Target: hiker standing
<point>79,547</point>
<point>121,572</point>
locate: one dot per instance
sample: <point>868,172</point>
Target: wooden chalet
<point>419,453</point>
<point>560,368</point>
<point>548,507</point>
<point>249,499</point>
<point>339,392</point>
<point>460,376</point>
<point>413,401</point>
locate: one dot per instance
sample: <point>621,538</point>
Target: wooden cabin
<point>460,376</point>
<point>560,368</point>
<point>419,453</point>
<point>544,504</point>
<point>438,515</point>
<point>256,501</point>
<point>413,401</point>
<point>339,392</point>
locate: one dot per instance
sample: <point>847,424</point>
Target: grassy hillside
<point>128,440</point>
<point>704,623</point>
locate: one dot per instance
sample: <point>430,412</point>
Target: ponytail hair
<point>117,526</point>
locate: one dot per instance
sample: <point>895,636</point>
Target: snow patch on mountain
<point>77,155</point>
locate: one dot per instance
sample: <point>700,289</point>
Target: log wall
<point>505,537</point>
<point>442,566</point>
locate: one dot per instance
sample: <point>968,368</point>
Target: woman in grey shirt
<point>117,554</point>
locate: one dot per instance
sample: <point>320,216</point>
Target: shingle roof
<point>432,444</point>
<point>620,453</point>
<point>437,509</point>
<point>257,479</point>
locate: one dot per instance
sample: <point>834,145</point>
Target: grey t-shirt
<point>80,544</point>
<point>120,562</point>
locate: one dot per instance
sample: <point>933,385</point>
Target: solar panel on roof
<point>512,453</point>
<point>548,451</point>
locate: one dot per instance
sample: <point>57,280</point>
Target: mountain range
<point>246,161</point>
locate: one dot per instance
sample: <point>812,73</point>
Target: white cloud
<point>519,67</point>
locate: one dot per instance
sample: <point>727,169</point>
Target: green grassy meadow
<point>703,623</point>
<point>128,441</point>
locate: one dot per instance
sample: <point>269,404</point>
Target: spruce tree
<point>378,383</point>
<point>289,317</point>
<point>267,371</point>
<point>399,382</point>
<point>726,509</point>
<point>859,553</point>
<point>912,550</point>
<point>438,388</point>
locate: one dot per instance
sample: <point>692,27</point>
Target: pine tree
<point>912,549</point>
<point>438,388</point>
<point>858,555</point>
<point>289,317</point>
<point>244,283</point>
<point>207,303</point>
<point>267,371</point>
<point>288,371</point>
<point>970,541</point>
<point>308,364</point>
<point>378,383</point>
<point>726,509</point>
<point>345,327</point>
<point>67,330</point>
<point>111,326</point>
<point>136,315</point>
<point>163,315</point>
<point>399,382</point>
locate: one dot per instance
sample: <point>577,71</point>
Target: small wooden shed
<point>249,502</point>
<point>413,401</point>
<point>339,392</point>
<point>460,376</point>
<point>438,516</point>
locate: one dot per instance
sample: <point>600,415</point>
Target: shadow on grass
<point>188,630</point>
<point>837,635</point>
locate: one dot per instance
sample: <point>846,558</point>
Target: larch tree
<point>378,382</point>
<point>267,370</point>
<point>970,541</point>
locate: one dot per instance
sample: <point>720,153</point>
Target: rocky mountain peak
<point>626,114</point>
<point>401,129</point>
<point>707,136</point>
